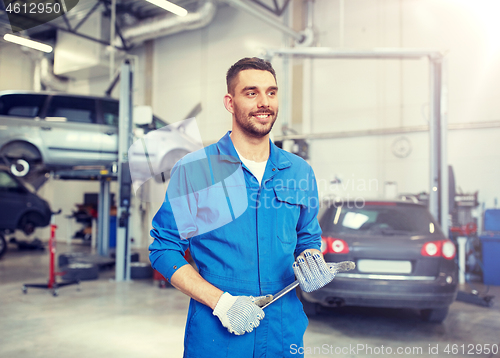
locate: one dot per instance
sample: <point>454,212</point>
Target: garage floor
<point>139,320</point>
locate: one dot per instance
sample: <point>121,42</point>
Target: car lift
<point>122,267</point>
<point>119,171</point>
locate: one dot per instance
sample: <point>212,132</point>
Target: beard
<point>251,126</point>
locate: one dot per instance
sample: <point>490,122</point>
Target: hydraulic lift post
<point>122,267</point>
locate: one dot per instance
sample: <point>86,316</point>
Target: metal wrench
<point>337,267</point>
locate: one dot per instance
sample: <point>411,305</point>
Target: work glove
<point>240,314</point>
<point>312,271</point>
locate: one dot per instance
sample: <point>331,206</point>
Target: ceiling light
<point>28,43</point>
<point>167,5</point>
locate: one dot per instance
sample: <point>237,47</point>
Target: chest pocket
<point>288,204</point>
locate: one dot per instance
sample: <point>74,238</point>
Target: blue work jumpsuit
<point>251,255</point>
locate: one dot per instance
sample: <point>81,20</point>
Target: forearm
<point>187,280</point>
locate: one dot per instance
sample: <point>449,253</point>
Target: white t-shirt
<point>257,168</point>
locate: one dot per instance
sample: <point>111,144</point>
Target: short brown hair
<point>247,63</point>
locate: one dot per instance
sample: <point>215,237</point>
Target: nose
<point>263,101</point>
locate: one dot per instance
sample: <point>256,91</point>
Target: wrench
<point>335,267</point>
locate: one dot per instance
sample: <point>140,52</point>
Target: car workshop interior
<point>393,103</point>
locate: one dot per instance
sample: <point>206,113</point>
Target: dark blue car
<point>20,207</point>
<point>403,260</point>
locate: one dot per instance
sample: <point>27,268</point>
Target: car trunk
<point>388,255</point>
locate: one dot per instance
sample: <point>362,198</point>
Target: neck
<point>251,148</point>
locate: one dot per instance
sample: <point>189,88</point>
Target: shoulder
<point>199,154</point>
<point>195,162</point>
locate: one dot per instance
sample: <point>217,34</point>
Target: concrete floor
<point>139,320</point>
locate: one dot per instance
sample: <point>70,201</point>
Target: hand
<point>239,314</point>
<point>312,272</point>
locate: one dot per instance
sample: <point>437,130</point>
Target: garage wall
<point>375,94</point>
<point>191,67</point>
<point>16,68</point>
<point>352,95</point>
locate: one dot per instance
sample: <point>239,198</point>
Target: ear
<point>228,103</point>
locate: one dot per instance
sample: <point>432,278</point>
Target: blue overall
<point>251,255</point>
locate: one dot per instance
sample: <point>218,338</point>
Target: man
<point>243,251</point>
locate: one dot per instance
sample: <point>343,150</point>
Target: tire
<point>67,258</point>
<point>22,157</point>
<point>20,167</point>
<point>3,245</point>
<point>168,163</point>
<point>310,308</point>
<point>140,270</point>
<point>434,315</point>
<point>81,271</point>
<point>134,256</point>
<point>29,222</point>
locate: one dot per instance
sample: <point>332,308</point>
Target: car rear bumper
<point>378,292</point>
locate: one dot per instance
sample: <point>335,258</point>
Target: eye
<point>272,93</point>
<point>250,93</point>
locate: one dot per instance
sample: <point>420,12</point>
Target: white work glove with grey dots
<point>240,314</point>
<point>312,271</point>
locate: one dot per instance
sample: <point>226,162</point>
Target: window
<point>372,219</point>
<point>7,183</point>
<point>21,105</point>
<point>74,109</point>
<point>110,113</point>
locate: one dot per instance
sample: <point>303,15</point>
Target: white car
<point>50,131</point>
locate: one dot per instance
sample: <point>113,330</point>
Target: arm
<point>173,226</point>
<point>308,229</point>
<point>310,267</point>
<point>239,314</point>
<point>188,281</point>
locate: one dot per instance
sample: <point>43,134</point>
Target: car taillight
<point>431,249</point>
<point>331,245</point>
<point>444,248</point>
<point>324,245</point>
<point>448,250</point>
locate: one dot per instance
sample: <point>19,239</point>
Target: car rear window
<point>378,219</point>
<point>21,105</point>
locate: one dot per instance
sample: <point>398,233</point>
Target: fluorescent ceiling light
<point>28,43</point>
<point>167,5</point>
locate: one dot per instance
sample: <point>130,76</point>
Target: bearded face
<point>254,103</point>
<point>255,123</point>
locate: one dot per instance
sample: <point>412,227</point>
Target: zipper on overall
<point>257,224</point>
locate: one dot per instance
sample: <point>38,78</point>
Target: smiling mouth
<point>262,115</point>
